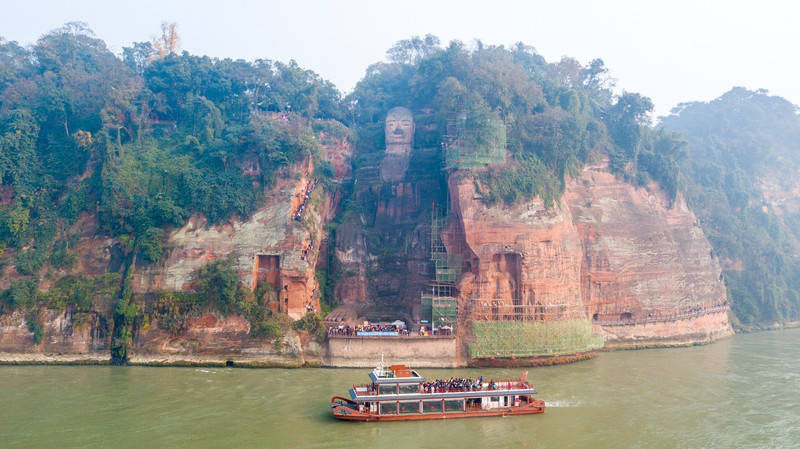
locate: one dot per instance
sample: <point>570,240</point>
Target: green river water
<point>739,392</point>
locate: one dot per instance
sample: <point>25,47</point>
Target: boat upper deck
<point>400,383</point>
<point>394,375</point>
<point>439,389</point>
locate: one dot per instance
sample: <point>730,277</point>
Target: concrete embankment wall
<point>419,352</point>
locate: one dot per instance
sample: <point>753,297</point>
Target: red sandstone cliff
<point>646,262</point>
<point>66,338</point>
<point>639,267</point>
<point>279,244</point>
<point>214,339</point>
<point>519,259</point>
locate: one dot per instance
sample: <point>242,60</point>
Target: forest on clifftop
<point>740,178</point>
<point>144,139</point>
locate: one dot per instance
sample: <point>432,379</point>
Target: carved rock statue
<point>399,132</point>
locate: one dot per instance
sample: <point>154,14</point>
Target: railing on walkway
<point>694,312</point>
<point>400,336</point>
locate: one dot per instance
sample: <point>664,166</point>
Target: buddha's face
<point>399,127</point>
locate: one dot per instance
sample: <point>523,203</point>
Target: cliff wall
<point>626,259</point>
<point>523,259</point>
<point>382,256</point>
<point>645,259</point>
<point>635,264</point>
<point>218,340</point>
<point>279,244</point>
<point>66,338</point>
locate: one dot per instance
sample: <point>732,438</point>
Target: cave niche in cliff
<point>267,269</point>
<point>508,268</point>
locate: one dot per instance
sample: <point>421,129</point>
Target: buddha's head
<point>399,128</point>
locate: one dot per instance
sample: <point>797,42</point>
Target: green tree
<point>738,144</point>
<point>218,284</point>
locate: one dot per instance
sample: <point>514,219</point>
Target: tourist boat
<point>400,394</point>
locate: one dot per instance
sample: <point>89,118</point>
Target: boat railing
<point>491,385</point>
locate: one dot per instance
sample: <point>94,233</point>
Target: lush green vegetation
<point>142,141</point>
<point>78,292</point>
<point>312,323</point>
<point>145,140</point>
<point>739,145</point>
<point>557,115</point>
<point>218,288</point>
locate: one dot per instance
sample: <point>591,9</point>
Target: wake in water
<point>561,404</point>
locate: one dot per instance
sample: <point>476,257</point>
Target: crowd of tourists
<point>347,330</point>
<point>456,384</point>
<point>298,216</point>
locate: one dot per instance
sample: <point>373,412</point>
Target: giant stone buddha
<point>399,133</point>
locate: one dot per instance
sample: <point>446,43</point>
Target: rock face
<point>625,259</point>
<point>96,255</point>
<point>639,267</point>
<point>382,248</point>
<point>519,261</point>
<point>646,261</point>
<point>269,246</point>
<point>213,339</point>
<point>66,338</point>
<point>279,244</point>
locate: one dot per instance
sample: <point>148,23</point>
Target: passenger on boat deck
<point>454,384</point>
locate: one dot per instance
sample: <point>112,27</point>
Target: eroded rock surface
<point>279,244</point>
<point>637,265</point>
<point>67,337</point>
<point>524,259</point>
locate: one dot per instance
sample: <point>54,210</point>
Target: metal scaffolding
<point>509,328</point>
<point>468,148</point>
<point>532,338</point>
<point>485,309</point>
<point>440,307</point>
<point>442,310</point>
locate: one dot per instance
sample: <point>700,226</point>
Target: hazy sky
<point>672,51</point>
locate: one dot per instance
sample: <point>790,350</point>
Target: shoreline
<point>316,361</point>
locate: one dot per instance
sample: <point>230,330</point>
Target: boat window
<point>388,408</point>
<point>432,406</point>
<point>409,407</point>
<point>387,389</point>
<point>409,388</point>
<point>454,405</point>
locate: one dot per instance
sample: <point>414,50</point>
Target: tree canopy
<point>145,139</point>
<point>741,146</point>
<point>556,115</point>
